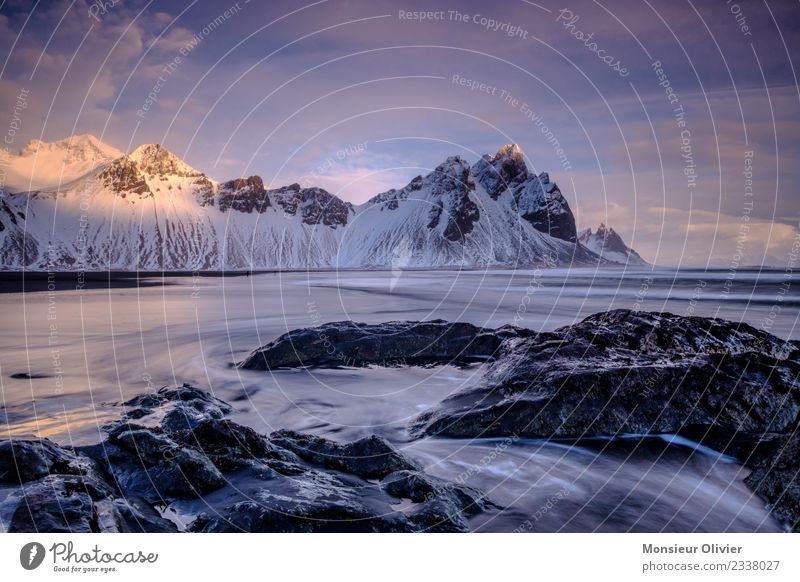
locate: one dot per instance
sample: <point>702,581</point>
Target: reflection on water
<point>99,347</point>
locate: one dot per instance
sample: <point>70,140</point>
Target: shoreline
<point>37,281</point>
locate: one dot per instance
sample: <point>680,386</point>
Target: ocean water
<point>66,357</point>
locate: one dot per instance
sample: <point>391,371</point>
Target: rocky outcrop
<point>314,205</point>
<point>62,491</point>
<point>502,171</point>
<point>391,199</point>
<point>396,343</point>
<point>174,448</point>
<point>123,177</point>
<point>156,160</point>
<point>540,202</point>
<point>776,478</point>
<point>244,195</point>
<point>454,212</point>
<point>726,385</point>
<point>628,372</point>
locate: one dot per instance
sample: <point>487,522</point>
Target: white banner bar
<point>401,557</point>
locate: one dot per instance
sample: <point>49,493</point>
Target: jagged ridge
<point>151,210</point>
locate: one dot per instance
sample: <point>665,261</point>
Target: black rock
<point>370,457</point>
<point>149,464</point>
<point>243,480</point>
<point>180,408</point>
<point>776,479</point>
<point>420,487</point>
<point>540,202</point>
<point>396,343</point>
<point>23,460</point>
<point>627,372</point>
<point>315,205</point>
<point>506,169</point>
<point>243,195</point>
<point>63,491</point>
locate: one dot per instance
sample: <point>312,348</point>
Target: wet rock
<point>28,376</point>
<point>227,477</point>
<point>78,503</point>
<point>231,446</point>
<point>776,479</point>
<point>628,372</point>
<point>438,515</point>
<point>326,501</point>
<point>181,408</point>
<point>420,487</point>
<point>396,343</point>
<point>333,516</point>
<point>147,463</point>
<point>370,457</point>
<point>23,460</point>
<point>55,506</point>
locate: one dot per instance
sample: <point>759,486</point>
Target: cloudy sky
<point>650,115</point>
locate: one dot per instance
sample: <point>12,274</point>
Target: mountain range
<point>86,206</point>
<point>608,244</point>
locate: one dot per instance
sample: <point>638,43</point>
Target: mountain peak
<point>501,171</point>
<point>608,244</point>
<point>75,148</point>
<point>158,160</point>
<point>41,164</point>
<point>509,151</point>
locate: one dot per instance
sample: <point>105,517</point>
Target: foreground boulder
<point>173,454</point>
<point>396,343</point>
<point>776,479</point>
<point>626,372</point>
<point>724,384</point>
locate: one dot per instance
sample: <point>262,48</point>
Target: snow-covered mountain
<point>149,210</point>
<point>48,164</point>
<point>609,245</point>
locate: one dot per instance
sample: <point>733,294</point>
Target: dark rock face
<point>506,169</point>
<point>776,478</point>
<point>371,457</point>
<point>450,185</point>
<point>174,447</point>
<point>123,177</point>
<point>724,384</point>
<point>24,460</point>
<point>347,343</point>
<point>244,195</point>
<point>391,199</point>
<point>63,491</point>
<point>315,205</point>
<point>204,191</point>
<point>6,209</point>
<point>626,372</point>
<point>540,202</point>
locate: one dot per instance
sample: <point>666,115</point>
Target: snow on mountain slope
<point>538,200</point>
<point>149,210</point>
<point>449,218</point>
<point>609,245</point>
<point>47,164</point>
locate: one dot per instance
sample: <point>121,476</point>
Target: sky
<point>675,122</point>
